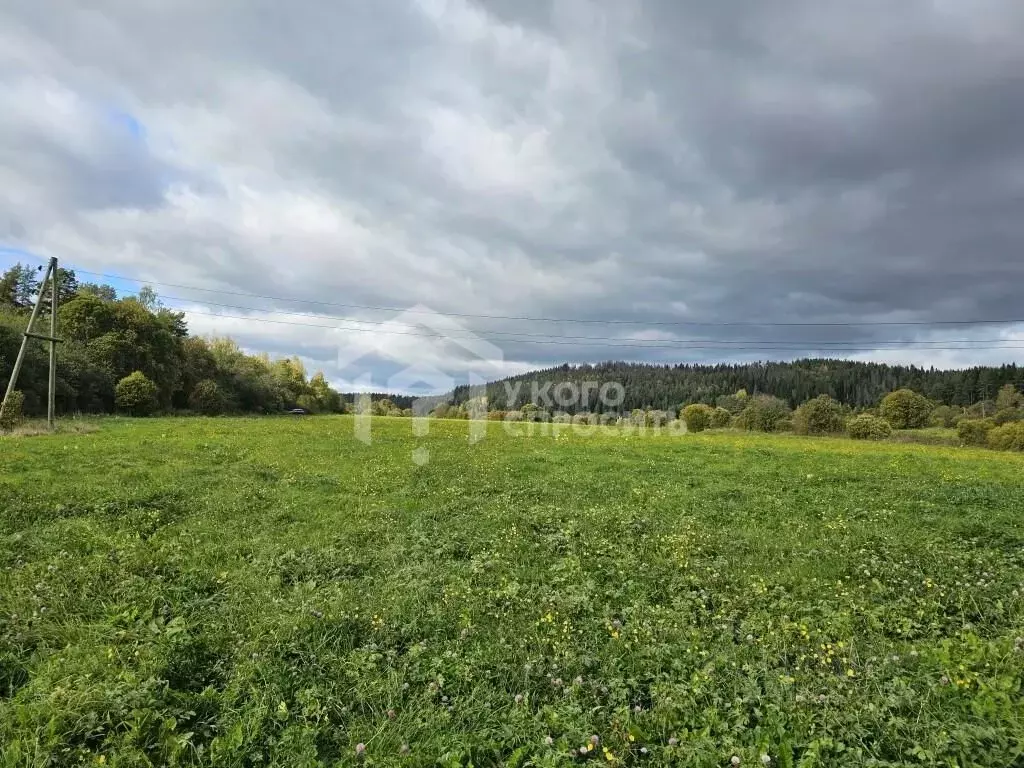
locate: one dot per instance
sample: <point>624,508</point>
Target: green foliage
<point>697,417</point>
<point>720,418</point>
<point>943,416</point>
<point>1006,415</point>
<point>820,416</point>
<point>906,409</point>
<point>532,412</point>
<point>108,339</point>
<point>1009,437</point>
<point>733,403</point>
<point>13,412</point>
<point>325,398</point>
<point>974,431</point>
<point>206,398</point>
<point>260,592</point>
<point>136,394</point>
<point>18,286</point>
<point>763,413</point>
<point>1008,397</point>
<point>868,427</point>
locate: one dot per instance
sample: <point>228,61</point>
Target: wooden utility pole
<point>52,275</point>
<point>51,401</point>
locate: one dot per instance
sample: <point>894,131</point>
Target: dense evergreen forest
<point>668,387</point>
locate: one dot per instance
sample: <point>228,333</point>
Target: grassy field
<point>274,592</point>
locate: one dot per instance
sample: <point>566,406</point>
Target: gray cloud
<point>660,161</point>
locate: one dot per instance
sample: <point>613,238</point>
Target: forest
<point>669,387</point>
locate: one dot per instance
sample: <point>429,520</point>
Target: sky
<point>660,180</point>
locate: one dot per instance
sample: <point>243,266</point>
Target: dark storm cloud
<point>670,160</point>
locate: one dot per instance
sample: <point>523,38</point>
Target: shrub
<point>974,431</point>
<point>533,412</point>
<point>982,409</point>
<point>1009,437</point>
<point>658,418</point>
<point>820,416</point>
<point>13,414</point>
<point>309,404</point>
<point>206,398</point>
<point>720,418</point>
<point>1008,415</point>
<point>697,417</point>
<point>733,403</point>
<point>763,413</point>
<point>942,416</point>
<point>868,427</point>
<point>136,394</point>
<point>905,409</point>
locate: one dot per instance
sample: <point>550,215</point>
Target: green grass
<point>274,592</point>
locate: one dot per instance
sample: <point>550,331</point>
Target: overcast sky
<point>710,170</point>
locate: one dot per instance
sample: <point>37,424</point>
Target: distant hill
<point>857,384</point>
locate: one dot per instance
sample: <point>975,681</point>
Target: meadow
<point>255,592</point>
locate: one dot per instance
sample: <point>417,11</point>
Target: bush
<point>942,416</point>
<point>763,413</point>
<point>1009,437</point>
<point>905,409</point>
<point>136,394</point>
<point>533,412</point>
<point>720,418</point>
<point>206,398</point>
<point>13,414</point>
<point>1008,415</point>
<point>658,418</point>
<point>868,427</point>
<point>820,416</point>
<point>733,403</point>
<point>697,417</point>
<point>974,431</point>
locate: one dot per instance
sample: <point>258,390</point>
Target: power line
<point>839,324</point>
<point>703,345</point>
<point>566,340</point>
<point>515,334</point>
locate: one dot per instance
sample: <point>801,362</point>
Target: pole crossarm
<point>44,337</point>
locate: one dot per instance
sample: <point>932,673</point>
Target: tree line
<point>132,354</point>
<point>670,387</point>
